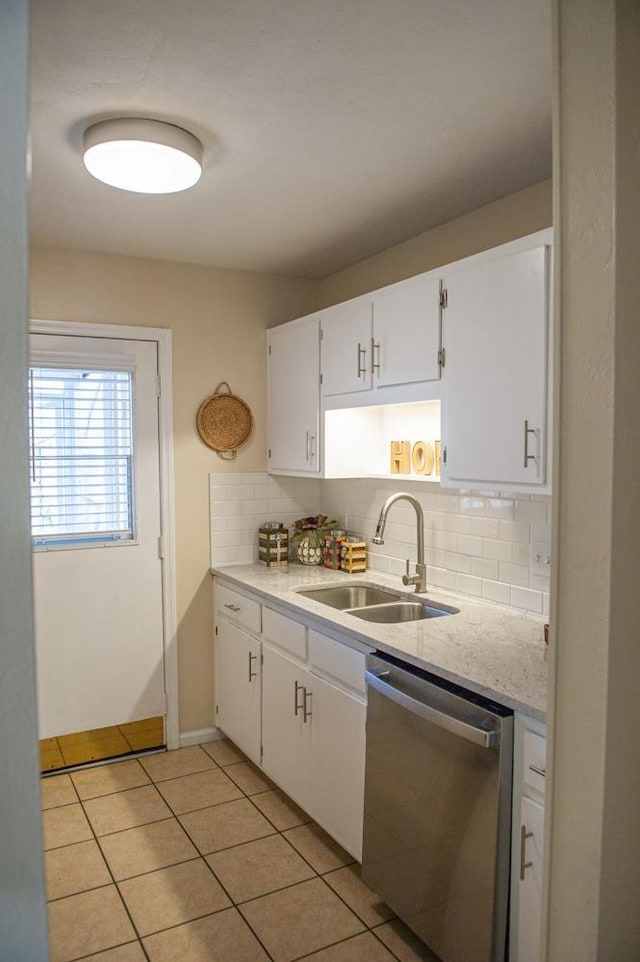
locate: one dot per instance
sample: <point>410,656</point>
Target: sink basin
<point>351,596</point>
<point>399,611</point>
<point>376,604</point>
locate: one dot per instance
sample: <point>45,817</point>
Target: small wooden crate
<point>353,556</point>
<point>273,545</point>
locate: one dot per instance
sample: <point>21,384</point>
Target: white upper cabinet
<point>346,348</point>
<point>406,333</point>
<point>388,339</point>
<point>293,402</point>
<point>495,333</point>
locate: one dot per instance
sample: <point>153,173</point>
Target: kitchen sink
<point>376,604</point>
<point>351,596</point>
<point>399,611</point>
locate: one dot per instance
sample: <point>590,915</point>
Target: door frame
<point>162,338</point>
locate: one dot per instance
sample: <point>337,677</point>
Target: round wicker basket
<point>224,422</point>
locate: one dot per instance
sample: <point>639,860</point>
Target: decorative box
<point>353,554</point>
<point>273,544</point>
<point>331,543</point>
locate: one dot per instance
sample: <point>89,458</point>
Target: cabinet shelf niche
<point>357,441</point>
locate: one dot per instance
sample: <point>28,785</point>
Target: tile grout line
<point>236,905</point>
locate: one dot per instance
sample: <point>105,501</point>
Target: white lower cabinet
<point>285,736</point>
<point>528,841</point>
<point>238,689</point>
<point>294,701</point>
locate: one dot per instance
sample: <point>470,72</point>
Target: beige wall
<point>594,871</point>
<point>218,318</point>
<point>514,216</point>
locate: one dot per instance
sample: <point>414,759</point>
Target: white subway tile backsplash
<point>514,531</point>
<point>441,578</point>
<point>458,562</point>
<point>483,568</point>
<point>531,512</point>
<point>476,543</point>
<point>468,544</point>
<point>496,591</point>
<point>527,599</point>
<point>513,574</point>
<point>485,527</point>
<point>469,585</point>
<point>500,508</point>
<point>458,524</point>
<point>521,553</point>
<point>497,550</point>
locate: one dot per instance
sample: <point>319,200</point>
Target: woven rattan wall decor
<point>224,422</point>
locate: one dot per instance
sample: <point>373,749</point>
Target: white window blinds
<point>81,456</point>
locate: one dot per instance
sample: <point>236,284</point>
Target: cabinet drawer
<point>237,607</point>
<point>337,661</point>
<point>285,633</point>
<point>535,762</point>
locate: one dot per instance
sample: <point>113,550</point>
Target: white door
<point>346,348</point>
<point>495,334</point>
<point>406,333</point>
<point>95,478</point>
<point>237,663</point>
<point>294,398</point>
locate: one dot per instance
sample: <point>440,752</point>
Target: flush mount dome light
<point>146,156</point>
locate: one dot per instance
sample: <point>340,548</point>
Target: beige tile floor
<point>194,856</point>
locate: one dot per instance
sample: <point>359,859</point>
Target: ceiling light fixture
<point>146,156</point>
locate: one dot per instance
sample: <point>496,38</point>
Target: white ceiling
<point>332,128</point>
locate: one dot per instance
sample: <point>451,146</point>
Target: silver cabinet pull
<point>311,445</point>
<point>306,457</point>
<point>252,674</point>
<point>233,607</point>
<point>375,365</point>
<point>306,712</point>
<point>524,835</point>
<point>362,367</point>
<point>296,706</point>
<point>527,431</point>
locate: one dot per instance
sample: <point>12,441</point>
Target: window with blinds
<point>81,456</point>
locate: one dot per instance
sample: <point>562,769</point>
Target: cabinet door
<point>237,684</point>
<point>338,747</point>
<point>406,334</point>
<point>285,734</point>
<point>346,348</point>
<point>530,889</point>
<point>293,407</point>
<point>495,335</point>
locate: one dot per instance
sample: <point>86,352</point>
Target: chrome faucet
<point>419,579</point>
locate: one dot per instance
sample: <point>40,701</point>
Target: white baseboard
<point>199,736</point>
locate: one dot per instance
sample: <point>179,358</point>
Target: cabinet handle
<point>311,447</point>
<point>524,835</point>
<point>296,688</point>
<point>538,771</point>
<point>252,674</point>
<point>527,431</point>
<point>306,456</point>
<point>233,607</point>
<point>375,365</point>
<point>306,713</point>
<point>362,368</point>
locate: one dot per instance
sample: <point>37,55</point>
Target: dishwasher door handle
<point>486,739</point>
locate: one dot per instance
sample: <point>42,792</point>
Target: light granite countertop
<point>485,648</point>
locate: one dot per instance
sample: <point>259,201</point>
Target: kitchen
<point>65,284</point>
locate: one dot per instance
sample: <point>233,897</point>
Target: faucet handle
<point>408,579</point>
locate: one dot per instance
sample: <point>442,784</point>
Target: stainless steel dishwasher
<point>437,809</point>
